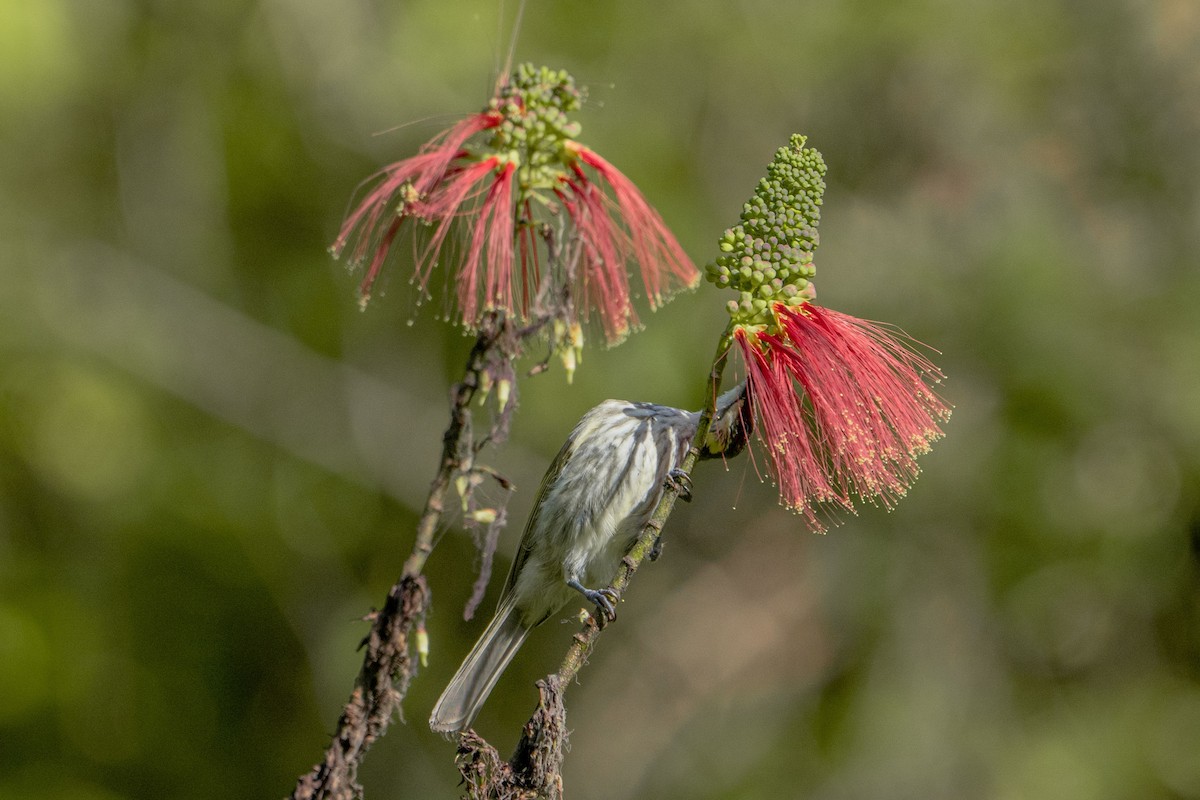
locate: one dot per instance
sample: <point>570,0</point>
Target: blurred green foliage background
<point>210,459</point>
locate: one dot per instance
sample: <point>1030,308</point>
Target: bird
<point>594,500</point>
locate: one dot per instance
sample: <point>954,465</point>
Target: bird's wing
<point>526,546</point>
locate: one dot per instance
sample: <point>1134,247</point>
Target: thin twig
<point>387,665</point>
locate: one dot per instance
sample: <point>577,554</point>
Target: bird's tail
<point>473,682</point>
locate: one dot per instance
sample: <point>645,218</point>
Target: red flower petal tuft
<point>781,426</point>
<point>423,172</point>
<point>864,415</point>
<point>494,234</point>
<point>453,198</point>
<point>410,181</point>
<point>653,245</point>
<point>603,283</point>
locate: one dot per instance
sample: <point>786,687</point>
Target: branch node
<point>535,770</point>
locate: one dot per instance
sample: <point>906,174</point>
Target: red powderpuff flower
<point>412,184</point>
<point>841,405</point>
<point>496,192</point>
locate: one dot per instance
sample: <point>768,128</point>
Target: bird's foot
<point>604,599</point>
<point>681,482</point>
<point>656,548</point>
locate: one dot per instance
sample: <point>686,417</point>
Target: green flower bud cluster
<point>534,106</point>
<point>768,257</point>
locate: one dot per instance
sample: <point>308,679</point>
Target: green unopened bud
<point>484,516</point>
<point>770,250</point>
<point>503,390</point>
<point>568,362</point>
<point>485,386</point>
<point>571,350</point>
<point>462,484</point>
<point>576,331</point>
<point>423,645</point>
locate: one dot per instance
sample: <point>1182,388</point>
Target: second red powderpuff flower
<point>500,177</point>
<point>842,405</point>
